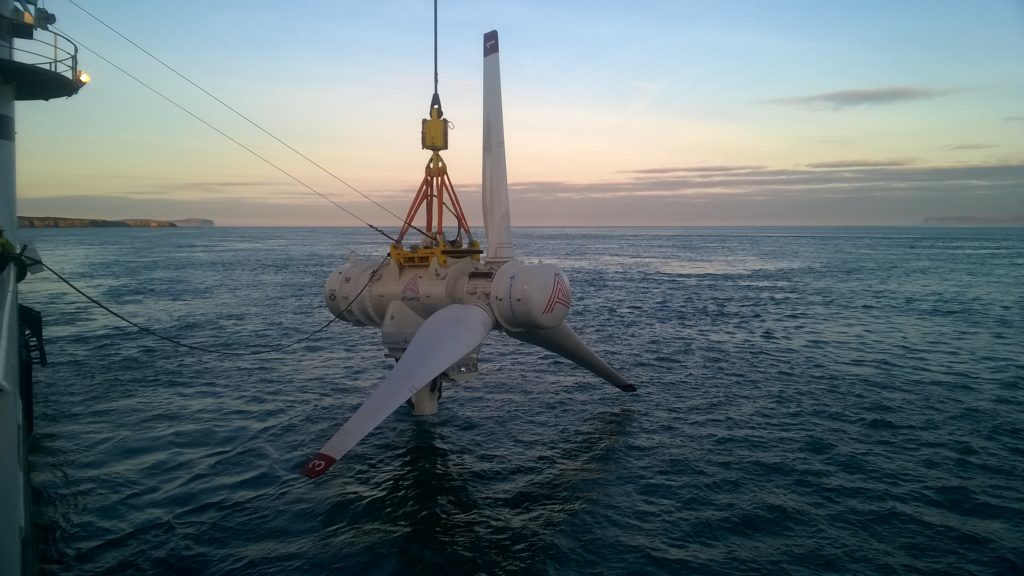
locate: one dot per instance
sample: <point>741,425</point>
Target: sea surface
<point>811,401</point>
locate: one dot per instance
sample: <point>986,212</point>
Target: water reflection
<point>428,497</point>
<point>464,516</point>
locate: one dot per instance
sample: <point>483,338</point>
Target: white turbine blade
<point>445,337</point>
<point>497,223</point>
<point>563,341</point>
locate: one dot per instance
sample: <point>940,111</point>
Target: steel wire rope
<point>255,124</point>
<point>33,261</point>
<point>224,134</point>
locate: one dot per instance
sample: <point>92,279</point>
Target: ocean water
<point>833,400</point>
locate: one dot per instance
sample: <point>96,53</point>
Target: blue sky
<point>640,113</point>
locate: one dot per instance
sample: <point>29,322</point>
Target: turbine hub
<point>530,296</point>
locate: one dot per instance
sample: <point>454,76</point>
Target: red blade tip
<point>318,465</point>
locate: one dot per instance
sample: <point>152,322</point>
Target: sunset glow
<point>687,113</point>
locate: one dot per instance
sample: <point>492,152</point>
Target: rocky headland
<point>58,222</point>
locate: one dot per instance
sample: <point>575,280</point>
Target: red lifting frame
<point>435,186</point>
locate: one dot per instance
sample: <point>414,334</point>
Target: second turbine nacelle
<point>520,296</point>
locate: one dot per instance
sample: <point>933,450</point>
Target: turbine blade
<point>497,222</point>
<point>563,341</point>
<point>445,337</point>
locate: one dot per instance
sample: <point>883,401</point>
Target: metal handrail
<point>63,61</point>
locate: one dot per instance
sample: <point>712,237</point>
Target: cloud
<point>862,177</point>
<point>871,193</point>
<point>861,163</point>
<point>673,170</point>
<point>864,195</point>
<point>533,184</point>
<point>971,146</point>
<point>208,186</point>
<point>1013,118</point>
<point>860,97</point>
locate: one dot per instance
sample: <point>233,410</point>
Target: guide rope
<point>252,122</point>
<point>34,261</point>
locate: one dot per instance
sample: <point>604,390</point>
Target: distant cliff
<point>147,223</point>
<point>193,222</point>
<point>56,222</point>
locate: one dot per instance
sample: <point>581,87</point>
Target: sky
<point>695,113</point>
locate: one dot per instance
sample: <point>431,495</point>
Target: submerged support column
<point>424,401</point>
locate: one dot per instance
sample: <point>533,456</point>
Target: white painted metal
<point>497,222</point>
<point>424,290</point>
<point>348,293</point>
<point>521,296</point>
<point>400,326</point>
<point>563,341</point>
<point>527,296</point>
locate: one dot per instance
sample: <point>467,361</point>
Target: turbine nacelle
<point>344,289</point>
<point>519,296</point>
<point>530,296</point>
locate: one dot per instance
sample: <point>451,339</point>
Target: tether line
<point>33,261</point>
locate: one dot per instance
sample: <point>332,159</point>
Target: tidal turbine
<point>436,300</point>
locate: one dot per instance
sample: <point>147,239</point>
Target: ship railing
<point>50,50</point>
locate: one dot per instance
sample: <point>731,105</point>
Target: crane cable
<point>252,122</point>
<point>435,100</point>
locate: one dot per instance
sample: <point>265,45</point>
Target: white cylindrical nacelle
<point>357,295</point>
<point>348,283</point>
<point>530,296</point>
<point>521,296</point>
